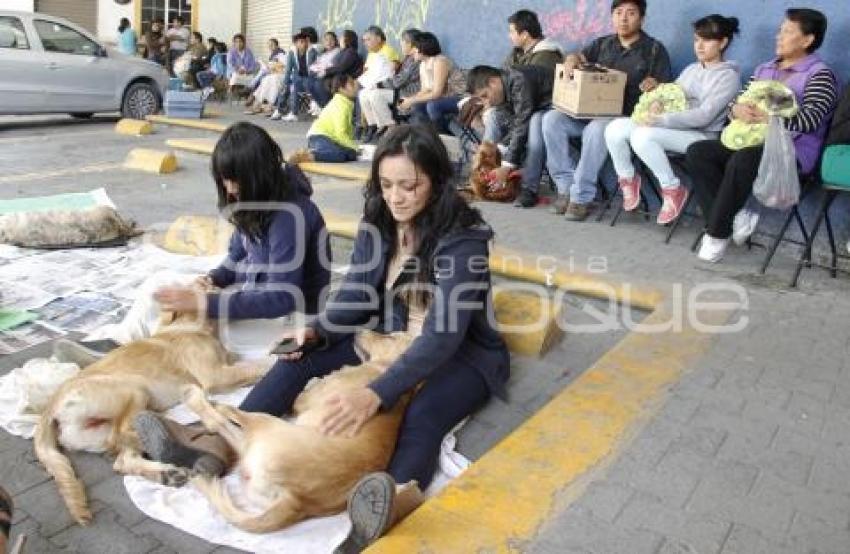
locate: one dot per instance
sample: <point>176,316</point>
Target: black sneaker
<point>526,199</point>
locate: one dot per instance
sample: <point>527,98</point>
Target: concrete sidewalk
<point>748,452</point>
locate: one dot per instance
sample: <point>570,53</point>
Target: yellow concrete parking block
<point>136,127</point>
<point>528,322</point>
<point>197,146</point>
<point>190,123</point>
<point>152,161</point>
<point>341,171</point>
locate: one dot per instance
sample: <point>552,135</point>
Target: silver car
<point>50,65</point>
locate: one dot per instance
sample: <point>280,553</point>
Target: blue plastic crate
<point>184,104</point>
<point>175,83</point>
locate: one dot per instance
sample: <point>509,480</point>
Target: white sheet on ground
<point>186,509</point>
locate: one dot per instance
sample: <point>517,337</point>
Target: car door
<point>80,77</point>
<point>20,90</point>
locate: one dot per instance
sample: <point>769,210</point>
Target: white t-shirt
<point>179,38</point>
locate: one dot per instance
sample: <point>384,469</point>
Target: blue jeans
<point>290,93</point>
<point>437,110</point>
<point>578,180</point>
<point>318,91</point>
<point>205,78</point>
<point>326,150</point>
<point>535,153</point>
<point>497,124</point>
<point>450,394</point>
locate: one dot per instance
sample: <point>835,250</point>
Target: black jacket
<point>839,133</point>
<point>457,328</point>
<point>347,62</point>
<point>528,89</point>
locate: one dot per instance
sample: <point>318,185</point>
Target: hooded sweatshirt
<point>457,329</point>
<point>709,91</point>
<point>258,274</point>
<point>546,53</point>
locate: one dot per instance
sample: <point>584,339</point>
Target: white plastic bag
<point>777,184</point>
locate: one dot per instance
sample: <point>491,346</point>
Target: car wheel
<point>82,115</point>
<point>140,100</point>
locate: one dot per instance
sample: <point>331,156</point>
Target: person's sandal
<point>370,508</point>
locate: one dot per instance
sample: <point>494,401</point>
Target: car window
<point>12,34</point>
<point>56,37</point>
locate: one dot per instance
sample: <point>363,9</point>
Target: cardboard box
<point>589,93</point>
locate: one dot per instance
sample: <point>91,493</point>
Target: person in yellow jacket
<point>331,137</point>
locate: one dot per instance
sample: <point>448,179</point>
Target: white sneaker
<point>744,225</point>
<point>712,249</point>
<point>315,109</point>
<point>276,116</point>
<point>290,117</point>
<point>206,93</point>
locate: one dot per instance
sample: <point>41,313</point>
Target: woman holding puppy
<point>420,265</point>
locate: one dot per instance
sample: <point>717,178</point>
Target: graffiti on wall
<point>586,20</point>
<point>339,14</point>
<point>394,16</point>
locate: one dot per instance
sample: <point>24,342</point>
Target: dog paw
<point>175,477</point>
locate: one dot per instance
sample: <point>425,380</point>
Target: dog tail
<point>284,512</point>
<point>47,450</point>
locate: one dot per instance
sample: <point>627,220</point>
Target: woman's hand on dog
<point>348,411</point>
<point>180,299</point>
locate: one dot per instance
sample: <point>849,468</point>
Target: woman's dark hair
<point>349,37</point>
<point>377,31</point>
<point>212,40</point>
<point>639,4</point>
<point>526,20</point>
<point>198,36</point>
<point>446,210</point>
<point>178,18</point>
<point>332,35</point>
<point>239,36</point>
<point>248,156</point>
<point>339,81</point>
<point>221,48</point>
<point>409,35</point>
<point>811,22</point>
<point>717,27</point>
<point>312,34</point>
<point>123,24</point>
<point>427,44</point>
<point>275,42</point>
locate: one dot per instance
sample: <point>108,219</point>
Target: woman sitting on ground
<point>709,85</point>
<point>723,178</point>
<point>441,83</point>
<point>331,137</point>
<point>275,263</point>
<point>376,103</point>
<point>415,227</point>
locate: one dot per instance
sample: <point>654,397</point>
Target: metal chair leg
<point>697,241</point>
<point>775,244</point>
<point>833,266</point>
<point>606,206</point>
<point>807,251</point>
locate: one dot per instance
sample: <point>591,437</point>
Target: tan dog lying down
<point>288,467</point>
<point>94,410</point>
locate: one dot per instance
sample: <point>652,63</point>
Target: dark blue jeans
<point>326,150</point>
<point>450,394</point>
<point>319,91</point>
<point>437,111</point>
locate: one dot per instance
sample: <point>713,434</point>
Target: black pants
<point>450,394</point>
<point>723,181</point>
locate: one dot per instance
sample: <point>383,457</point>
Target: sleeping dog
<point>288,467</point>
<point>94,410</point>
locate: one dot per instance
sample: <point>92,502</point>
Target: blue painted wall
<point>475,31</point>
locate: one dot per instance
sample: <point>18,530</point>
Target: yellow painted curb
<point>528,323</point>
<point>135,127</point>
<point>503,498</point>
<point>197,146</point>
<point>153,161</point>
<point>336,170</point>
<point>190,123</point>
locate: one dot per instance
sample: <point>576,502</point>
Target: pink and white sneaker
<point>674,202</point>
<point>630,188</point>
